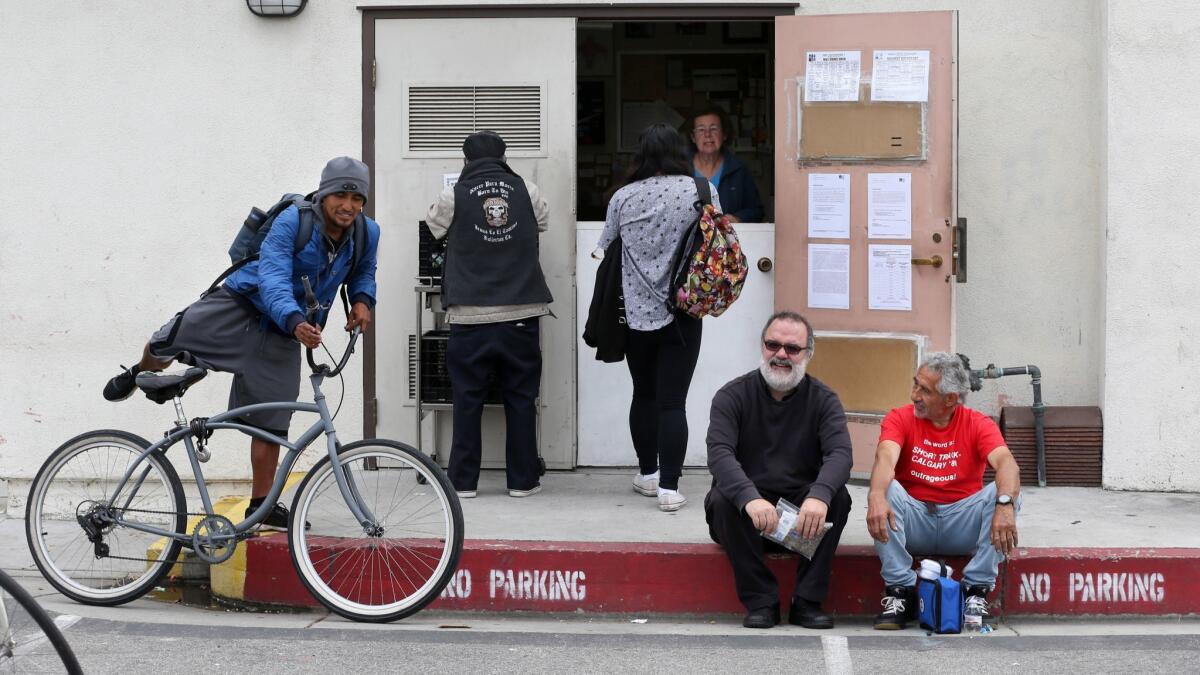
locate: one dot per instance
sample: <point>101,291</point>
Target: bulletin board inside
<point>665,87</point>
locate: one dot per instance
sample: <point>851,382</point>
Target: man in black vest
<point>494,293</point>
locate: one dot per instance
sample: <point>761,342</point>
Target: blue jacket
<point>739,194</point>
<point>272,283</point>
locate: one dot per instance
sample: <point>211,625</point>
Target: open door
<point>878,115</point>
<point>438,80</point>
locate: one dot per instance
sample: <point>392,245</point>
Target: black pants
<point>756,585</point>
<point>661,363</point>
<point>510,352</point>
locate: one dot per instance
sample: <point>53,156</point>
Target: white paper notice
<point>829,276</point>
<point>889,206</point>
<point>889,277</point>
<point>832,76</point>
<point>829,205</point>
<point>900,75</point>
<point>449,179</point>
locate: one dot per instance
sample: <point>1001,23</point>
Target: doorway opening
<point>631,74</point>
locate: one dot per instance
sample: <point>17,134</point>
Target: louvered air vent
<point>440,117</point>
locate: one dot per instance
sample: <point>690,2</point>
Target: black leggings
<point>661,363</point>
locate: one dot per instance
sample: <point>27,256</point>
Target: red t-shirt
<point>941,465</point>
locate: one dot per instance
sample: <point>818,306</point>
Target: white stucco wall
<point>1152,326</point>
<point>136,137</point>
<point>137,134</point>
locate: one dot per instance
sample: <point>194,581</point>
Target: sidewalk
<point>589,543</point>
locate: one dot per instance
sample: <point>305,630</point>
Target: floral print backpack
<point>710,268</point>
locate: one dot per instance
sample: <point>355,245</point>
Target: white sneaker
<point>646,485</point>
<point>466,494</point>
<point>525,493</point>
<point>670,500</point>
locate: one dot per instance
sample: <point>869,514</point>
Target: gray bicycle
<point>376,529</point>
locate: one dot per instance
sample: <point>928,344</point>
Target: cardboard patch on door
<point>862,131</point>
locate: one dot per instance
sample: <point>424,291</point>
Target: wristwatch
<point>1004,500</point>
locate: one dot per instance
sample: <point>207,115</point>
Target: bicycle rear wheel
<point>73,492</point>
<point>30,641</point>
<point>396,570</point>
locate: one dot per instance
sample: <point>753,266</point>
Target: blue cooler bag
<point>941,603</point>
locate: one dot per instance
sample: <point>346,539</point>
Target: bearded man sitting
<point>775,433</point>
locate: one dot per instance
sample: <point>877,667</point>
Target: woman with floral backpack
<point>651,214</point>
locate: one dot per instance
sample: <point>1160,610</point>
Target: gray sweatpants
<point>218,333</point>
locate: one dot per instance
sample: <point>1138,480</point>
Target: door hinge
<point>375,410</point>
<point>374,72</point>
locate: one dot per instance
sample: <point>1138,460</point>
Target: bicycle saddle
<point>162,388</point>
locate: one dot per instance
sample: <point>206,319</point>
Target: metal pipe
<point>1039,408</point>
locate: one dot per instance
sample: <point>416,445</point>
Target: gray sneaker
<point>525,493</point>
<point>647,486</point>
<point>670,500</point>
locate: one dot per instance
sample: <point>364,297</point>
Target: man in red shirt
<point>927,493</point>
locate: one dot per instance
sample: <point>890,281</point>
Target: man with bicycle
<point>253,324</point>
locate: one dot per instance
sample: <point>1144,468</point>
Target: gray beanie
<point>344,174</point>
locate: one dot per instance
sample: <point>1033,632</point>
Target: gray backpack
<point>249,239</point>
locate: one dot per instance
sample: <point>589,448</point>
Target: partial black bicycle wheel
<point>30,641</point>
<point>72,493</point>
<point>399,567</point>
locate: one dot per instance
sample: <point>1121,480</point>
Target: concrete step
<point>682,578</point>
<point>589,543</point>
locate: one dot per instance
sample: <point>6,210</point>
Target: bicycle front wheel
<point>79,531</point>
<point>30,641</point>
<point>398,567</point>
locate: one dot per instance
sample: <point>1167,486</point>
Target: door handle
<point>935,261</point>
<point>764,264</point>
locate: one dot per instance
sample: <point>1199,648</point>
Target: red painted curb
<point>697,579</point>
<point>1083,581</point>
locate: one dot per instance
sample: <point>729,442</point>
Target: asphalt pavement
<point>173,638</point>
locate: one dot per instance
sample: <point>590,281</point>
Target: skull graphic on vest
<point>495,211</point>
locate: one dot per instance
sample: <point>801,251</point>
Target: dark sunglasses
<point>791,349</point>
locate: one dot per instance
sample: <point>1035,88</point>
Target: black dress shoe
<point>808,614</point>
<point>764,617</point>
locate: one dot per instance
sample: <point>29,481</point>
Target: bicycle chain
<point>245,535</point>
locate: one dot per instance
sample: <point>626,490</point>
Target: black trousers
<point>511,353</point>
<point>661,363</point>
<point>745,547</point>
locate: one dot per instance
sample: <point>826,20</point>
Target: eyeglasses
<point>708,131</point>
<point>773,346</point>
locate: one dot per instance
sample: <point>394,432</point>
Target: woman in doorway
<point>651,214</point>
<point>712,160</point>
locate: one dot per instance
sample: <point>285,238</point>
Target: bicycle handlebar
<point>311,309</point>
